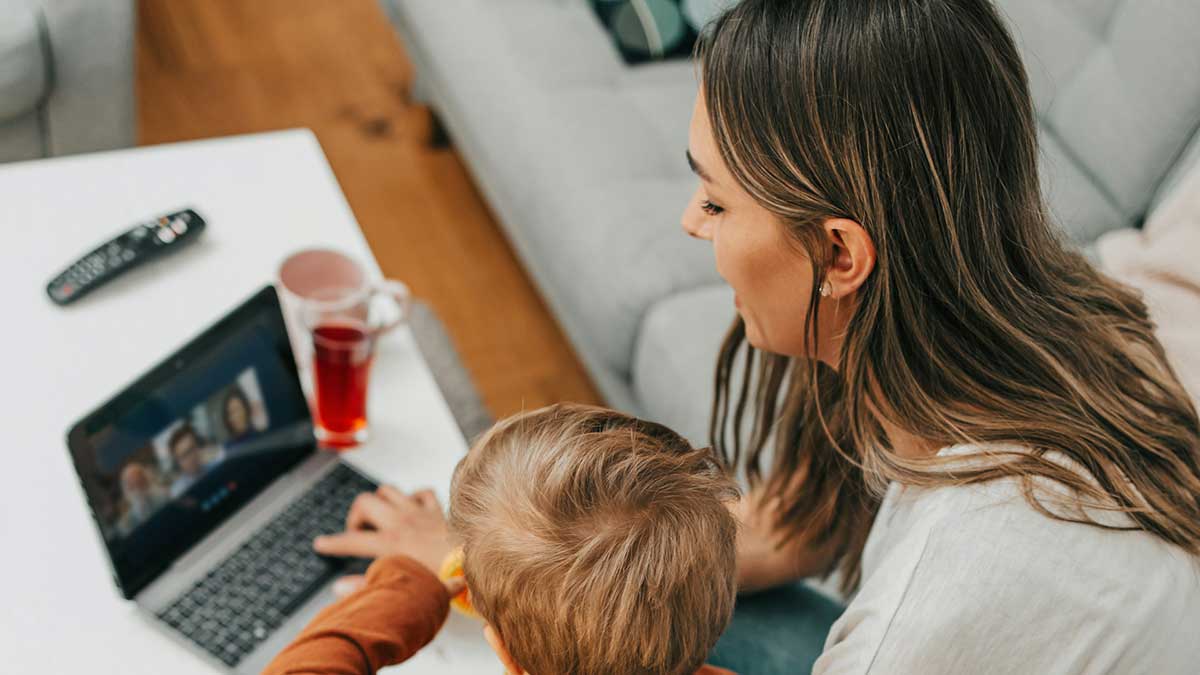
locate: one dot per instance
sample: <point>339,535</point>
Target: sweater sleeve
<point>398,610</point>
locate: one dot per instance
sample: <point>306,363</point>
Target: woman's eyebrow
<point>696,168</point>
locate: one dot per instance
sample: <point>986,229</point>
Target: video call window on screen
<point>148,477</point>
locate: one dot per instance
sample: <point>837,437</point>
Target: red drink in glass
<point>345,322</point>
<point>341,363</point>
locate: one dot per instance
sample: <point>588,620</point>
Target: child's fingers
<point>396,497</point>
<point>427,499</point>
<point>370,511</point>
<point>355,544</point>
<point>348,584</point>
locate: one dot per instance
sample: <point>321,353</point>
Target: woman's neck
<point>909,445</point>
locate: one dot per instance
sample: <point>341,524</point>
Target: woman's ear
<point>493,638</point>
<point>853,257</point>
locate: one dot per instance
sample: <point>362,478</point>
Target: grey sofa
<point>66,77</point>
<point>581,158</point>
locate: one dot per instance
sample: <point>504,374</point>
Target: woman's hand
<point>765,557</point>
<point>390,522</point>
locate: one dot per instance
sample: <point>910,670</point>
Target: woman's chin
<point>753,338</point>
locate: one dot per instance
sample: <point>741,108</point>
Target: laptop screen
<point>178,452</point>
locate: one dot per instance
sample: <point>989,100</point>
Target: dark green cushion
<point>652,30</point>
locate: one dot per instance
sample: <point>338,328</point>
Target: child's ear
<point>493,638</point>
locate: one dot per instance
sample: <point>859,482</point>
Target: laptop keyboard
<point>241,601</point>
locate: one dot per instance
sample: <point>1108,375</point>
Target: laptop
<point>207,487</point>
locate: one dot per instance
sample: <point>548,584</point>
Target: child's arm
<point>398,610</point>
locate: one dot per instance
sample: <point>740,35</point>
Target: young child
<point>594,543</point>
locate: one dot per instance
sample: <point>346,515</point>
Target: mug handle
<point>398,297</point>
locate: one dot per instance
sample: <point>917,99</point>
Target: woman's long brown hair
<point>979,324</point>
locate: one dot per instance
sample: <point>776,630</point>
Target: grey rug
<point>448,371</point>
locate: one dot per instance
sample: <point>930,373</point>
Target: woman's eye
<point>711,208</point>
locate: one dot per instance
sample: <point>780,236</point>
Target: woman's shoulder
<point>1002,530</point>
<point>982,569</point>
<point>1002,498</point>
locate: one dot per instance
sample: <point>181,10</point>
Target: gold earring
<point>826,289</point>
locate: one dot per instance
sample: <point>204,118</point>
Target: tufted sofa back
<point>1117,89</point>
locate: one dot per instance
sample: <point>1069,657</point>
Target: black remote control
<point>142,243</point>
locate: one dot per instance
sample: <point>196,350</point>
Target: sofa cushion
<point>676,358</point>
<point>589,135</point>
<point>554,43</point>
<point>22,138</point>
<point>23,68</point>
<point>1117,86</point>
<point>532,91</point>
<point>1075,201</point>
<point>1188,164</point>
<point>664,94</point>
<point>609,252</point>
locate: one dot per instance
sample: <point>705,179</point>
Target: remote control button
<point>166,236</point>
<point>178,226</point>
<point>127,255</point>
<point>140,233</point>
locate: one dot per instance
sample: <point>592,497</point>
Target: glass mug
<point>341,316</point>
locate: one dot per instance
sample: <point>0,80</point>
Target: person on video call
<point>237,414</point>
<point>143,495</point>
<point>187,449</point>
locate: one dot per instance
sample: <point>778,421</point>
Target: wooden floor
<point>217,67</point>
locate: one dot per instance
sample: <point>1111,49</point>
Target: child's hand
<point>352,582</point>
<point>390,522</point>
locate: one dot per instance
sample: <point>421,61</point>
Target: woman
<point>235,414</point>
<point>944,402</point>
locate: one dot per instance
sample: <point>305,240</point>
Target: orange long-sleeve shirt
<point>398,610</point>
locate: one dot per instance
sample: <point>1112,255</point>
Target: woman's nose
<point>696,225</point>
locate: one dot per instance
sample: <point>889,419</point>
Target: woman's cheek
<point>731,256</point>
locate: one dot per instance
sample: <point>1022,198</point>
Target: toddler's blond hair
<point>596,543</point>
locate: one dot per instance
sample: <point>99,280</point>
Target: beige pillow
<point>1163,261</point>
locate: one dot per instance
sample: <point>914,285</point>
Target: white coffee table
<point>263,196</point>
